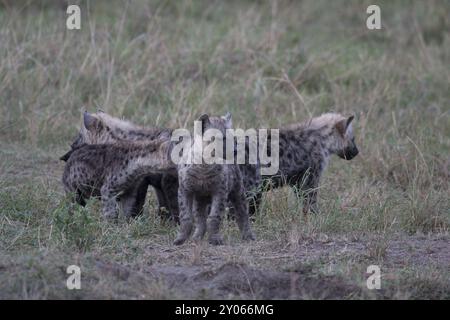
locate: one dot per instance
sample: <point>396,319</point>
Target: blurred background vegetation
<point>162,63</point>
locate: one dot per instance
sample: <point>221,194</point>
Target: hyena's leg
<point>309,195</point>
<point>253,185</point>
<point>215,218</point>
<point>126,204</point>
<point>240,205</point>
<point>170,190</point>
<point>155,180</point>
<point>254,202</point>
<point>109,202</point>
<point>186,223</point>
<point>199,208</point>
<point>133,199</point>
<point>311,201</point>
<point>70,188</point>
<point>80,199</point>
<point>163,210</point>
<point>140,194</point>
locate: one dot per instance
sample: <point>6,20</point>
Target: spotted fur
<point>111,171</point>
<point>204,191</point>
<point>304,152</point>
<point>101,128</point>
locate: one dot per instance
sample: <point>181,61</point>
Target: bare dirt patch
<point>266,271</point>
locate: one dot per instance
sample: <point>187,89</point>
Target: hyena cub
<point>205,189</point>
<point>111,170</point>
<point>305,150</point>
<point>101,128</point>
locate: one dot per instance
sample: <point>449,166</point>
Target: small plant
<point>377,248</point>
<point>75,225</point>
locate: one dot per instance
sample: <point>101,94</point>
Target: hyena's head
<point>345,140</point>
<point>213,128</point>
<point>213,122</point>
<point>96,128</point>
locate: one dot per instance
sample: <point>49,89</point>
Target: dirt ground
<point>268,271</point>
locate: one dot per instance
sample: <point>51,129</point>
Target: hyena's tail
<point>155,161</point>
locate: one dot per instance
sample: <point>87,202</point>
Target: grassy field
<point>270,64</point>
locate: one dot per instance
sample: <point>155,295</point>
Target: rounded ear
<point>89,121</point>
<point>228,120</point>
<point>343,125</point>
<point>204,118</point>
<point>349,120</point>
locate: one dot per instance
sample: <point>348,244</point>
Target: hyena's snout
<point>349,152</point>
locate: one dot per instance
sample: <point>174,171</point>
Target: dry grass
<point>163,63</point>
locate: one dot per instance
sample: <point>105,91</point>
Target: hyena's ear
<point>228,120</point>
<point>204,118</point>
<point>342,126</point>
<point>349,120</point>
<point>90,122</point>
<point>66,156</point>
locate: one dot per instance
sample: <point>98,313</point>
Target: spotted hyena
<point>204,191</point>
<point>111,171</point>
<point>304,152</point>
<point>101,128</point>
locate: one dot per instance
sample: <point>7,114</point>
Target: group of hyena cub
<point>116,160</point>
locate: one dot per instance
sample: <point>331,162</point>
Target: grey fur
<point>111,171</point>
<point>205,189</point>
<point>304,152</point>
<point>101,128</point>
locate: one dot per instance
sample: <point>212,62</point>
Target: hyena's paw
<point>164,214</point>
<point>179,240</point>
<point>110,216</point>
<point>199,234</point>
<point>249,236</point>
<point>216,240</point>
<point>197,238</point>
<point>184,233</point>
